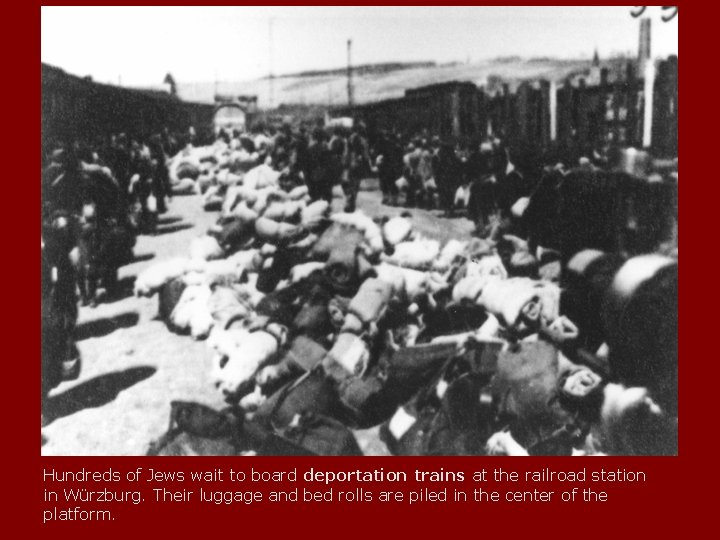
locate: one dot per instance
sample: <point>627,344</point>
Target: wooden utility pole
<point>644,44</point>
<point>647,68</point>
<point>271,76</point>
<point>553,110</point>
<point>349,72</point>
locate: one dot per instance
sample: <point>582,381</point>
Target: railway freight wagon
<point>74,108</point>
<point>569,117</point>
<point>457,110</point>
<point>449,110</point>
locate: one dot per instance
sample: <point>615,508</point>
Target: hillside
<point>331,88</point>
<point>363,69</point>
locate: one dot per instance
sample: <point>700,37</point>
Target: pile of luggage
<point>211,170</point>
<point>322,324</point>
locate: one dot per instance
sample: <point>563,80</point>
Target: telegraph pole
<point>647,68</point>
<point>349,73</point>
<point>644,46</point>
<point>271,77</point>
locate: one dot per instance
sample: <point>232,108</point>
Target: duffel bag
<point>169,296</point>
<point>313,392</point>
<point>311,434</point>
<point>196,429</point>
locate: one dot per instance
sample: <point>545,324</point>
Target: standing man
<point>121,163</point>
<point>448,174</point>
<point>483,185</point>
<point>426,173</point>
<point>390,166</point>
<point>160,175</point>
<point>319,167</point>
<point>412,174</point>
<point>358,166</point>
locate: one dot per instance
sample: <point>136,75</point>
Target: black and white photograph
<point>359,231</point>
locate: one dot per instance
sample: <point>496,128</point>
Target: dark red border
<point>674,501</point>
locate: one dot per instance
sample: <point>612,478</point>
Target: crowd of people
<point>414,172</point>
<point>316,157</point>
<point>428,172</point>
<point>95,199</point>
<point>553,331</point>
<point>480,178</point>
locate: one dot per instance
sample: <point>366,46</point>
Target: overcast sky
<point>138,45</point>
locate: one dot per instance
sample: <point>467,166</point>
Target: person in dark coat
<point>448,175</point>
<point>358,165</point>
<point>319,168</point>
<point>62,182</point>
<point>299,152</point>
<point>160,174</point>
<point>169,142</point>
<point>120,162</point>
<point>389,164</point>
<point>58,303</point>
<point>483,185</point>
